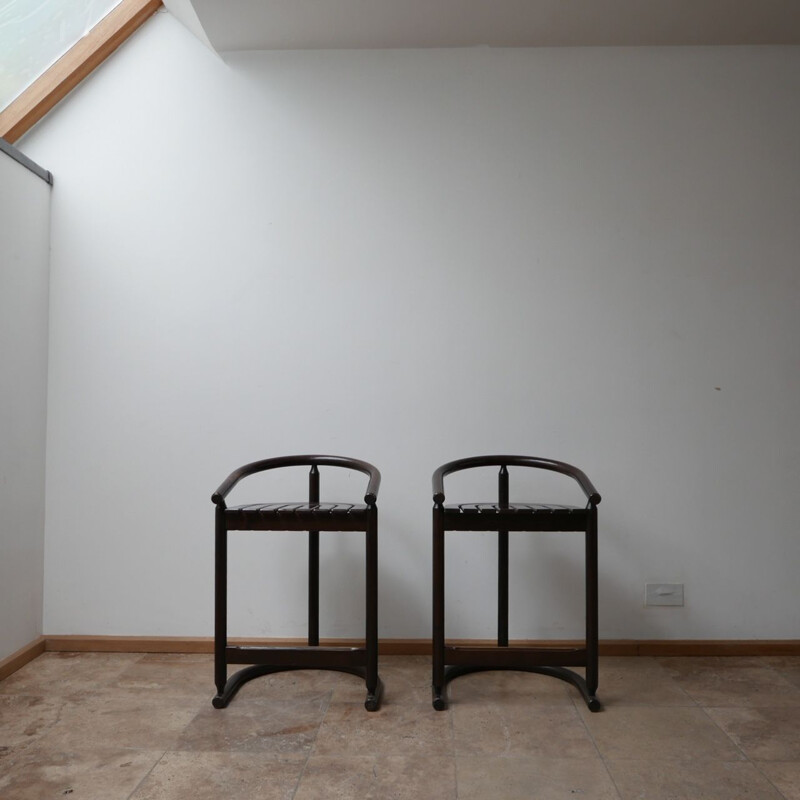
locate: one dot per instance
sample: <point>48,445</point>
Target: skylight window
<point>34,34</point>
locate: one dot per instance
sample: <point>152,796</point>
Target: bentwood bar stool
<point>451,662</point>
<point>312,516</point>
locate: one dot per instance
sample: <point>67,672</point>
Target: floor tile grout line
<point>747,758</point>
<point>768,779</point>
<point>452,728</point>
<point>147,775</point>
<point>719,727</point>
<point>751,761</point>
<point>674,681</point>
<point>594,741</point>
<point>721,662</point>
<point>313,745</point>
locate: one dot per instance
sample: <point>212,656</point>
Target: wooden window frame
<point>78,62</point>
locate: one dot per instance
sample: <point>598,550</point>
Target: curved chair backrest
<point>301,461</point>
<point>512,461</point>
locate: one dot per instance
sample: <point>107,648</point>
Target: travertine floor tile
<point>99,723</point>
<point>525,729</point>
<point>670,733</point>
<point>254,725</point>
<point>178,658</point>
<point>61,674</point>
<point>764,734</point>
<point>170,676</point>
<point>638,682</point>
<point>690,780</point>
<point>378,778</point>
<point>301,685</point>
<point>120,718</point>
<point>716,682</point>
<point>403,729</point>
<point>509,687</point>
<point>222,776</point>
<point>787,667</point>
<point>523,778</point>
<point>25,719</point>
<point>96,774</point>
<point>785,776</point>
<point>405,678</point>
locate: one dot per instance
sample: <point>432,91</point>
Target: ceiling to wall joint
<point>375,24</point>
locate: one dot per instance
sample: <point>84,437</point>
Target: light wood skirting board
<point>422,647</point>
<point>19,659</point>
<point>393,647</point>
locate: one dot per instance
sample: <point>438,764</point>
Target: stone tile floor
<point>114,726</point>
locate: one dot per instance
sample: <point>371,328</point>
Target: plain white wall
<point>409,257</point>
<point>24,257</point>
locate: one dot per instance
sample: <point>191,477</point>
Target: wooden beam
<point>78,62</point>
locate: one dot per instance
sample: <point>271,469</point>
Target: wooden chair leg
<point>374,686</point>
<point>591,604</point>
<point>313,564</point>
<point>502,565</point>
<point>438,684</point>
<point>220,602</point>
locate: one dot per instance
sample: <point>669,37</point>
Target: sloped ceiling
<point>333,24</point>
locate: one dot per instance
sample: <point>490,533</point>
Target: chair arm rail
<point>512,461</point>
<point>301,461</point>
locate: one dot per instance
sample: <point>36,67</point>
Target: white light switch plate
<point>663,594</point>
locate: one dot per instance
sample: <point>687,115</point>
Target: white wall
<point>408,257</point>
<point>24,253</point>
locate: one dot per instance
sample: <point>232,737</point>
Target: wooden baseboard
<point>130,644</point>
<point>180,644</point>
<point>205,644</point>
<point>422,647</point>
<point>719,647</point>
<point>19,659</point>
<point>393,647</point>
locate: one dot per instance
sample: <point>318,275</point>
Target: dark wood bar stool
<point>313,517</point>
<point>451,662</point>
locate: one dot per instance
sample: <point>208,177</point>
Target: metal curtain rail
<point>12,151</point>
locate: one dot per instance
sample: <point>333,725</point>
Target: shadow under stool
<point>312,516</point>
<point>450,662</point>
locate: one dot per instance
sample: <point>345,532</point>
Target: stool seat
<point>514,517</point>
<point>525,508</point>
<point>297,516</point>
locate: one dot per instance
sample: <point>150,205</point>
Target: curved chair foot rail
<point>564,674</point>
<point>238,679</point>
